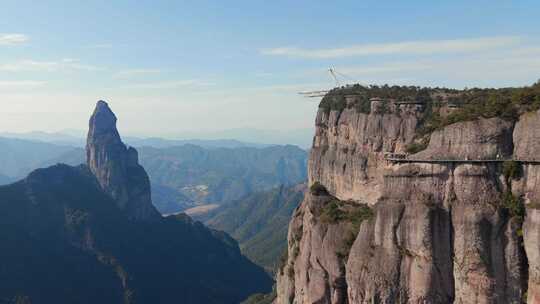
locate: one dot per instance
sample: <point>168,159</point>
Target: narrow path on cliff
<point>405,160</point>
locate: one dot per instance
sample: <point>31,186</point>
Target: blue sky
<point>172,67</point>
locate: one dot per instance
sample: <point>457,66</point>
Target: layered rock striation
<point>445,229</point>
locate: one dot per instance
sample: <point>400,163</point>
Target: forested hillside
<point>259,222</point>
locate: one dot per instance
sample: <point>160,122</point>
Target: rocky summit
<point>116,166</point>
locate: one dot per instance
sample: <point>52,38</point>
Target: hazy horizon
<point>298,137</point>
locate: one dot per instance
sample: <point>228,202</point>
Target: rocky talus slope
<point>372,230</point>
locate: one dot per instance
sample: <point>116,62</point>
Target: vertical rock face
<point>526,138</point>
<point>531,237</point>
<point>441,232</point>
<point>348,148</point>
<point>116,166</point>
<point>478,139</point>
<point>314,272</point>
<point>527,145</point>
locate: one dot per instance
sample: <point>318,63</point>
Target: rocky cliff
<point>116,166</point>
<point>454,223</point>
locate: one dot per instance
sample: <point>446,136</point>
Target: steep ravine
<point>441,232</point>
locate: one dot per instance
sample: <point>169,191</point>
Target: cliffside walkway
<point>462,161</point>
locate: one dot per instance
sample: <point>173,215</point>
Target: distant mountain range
<point>222,175</point>
<point>298,137</point>
<point>204,143</point>
<point>156,142</point>
<point>182,176</point>
<point>20,156</point>
<point>232,138</point>
<point>58,138</point>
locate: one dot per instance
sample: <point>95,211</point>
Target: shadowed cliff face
<point>116,167</point>
<point>441,232</point>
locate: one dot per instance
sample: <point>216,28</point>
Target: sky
<point>169,68</point>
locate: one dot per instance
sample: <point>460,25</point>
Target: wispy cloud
<point>515,66</point>
<point>169,84</point>
<point>135,73</point>
<point>384,68</point>
<point>48,66</point>
<point>13,39</point>
<point>410,47</point>
<point>289,88</point>
<point>21,83</point>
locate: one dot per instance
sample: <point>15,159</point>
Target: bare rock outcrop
<point>526,137</point>
<point>479,139</point>
<point>442,232</point>
<point>526,147</point>
<point>531,237</point>
<point>348,148</point>
<point>116,166</point>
